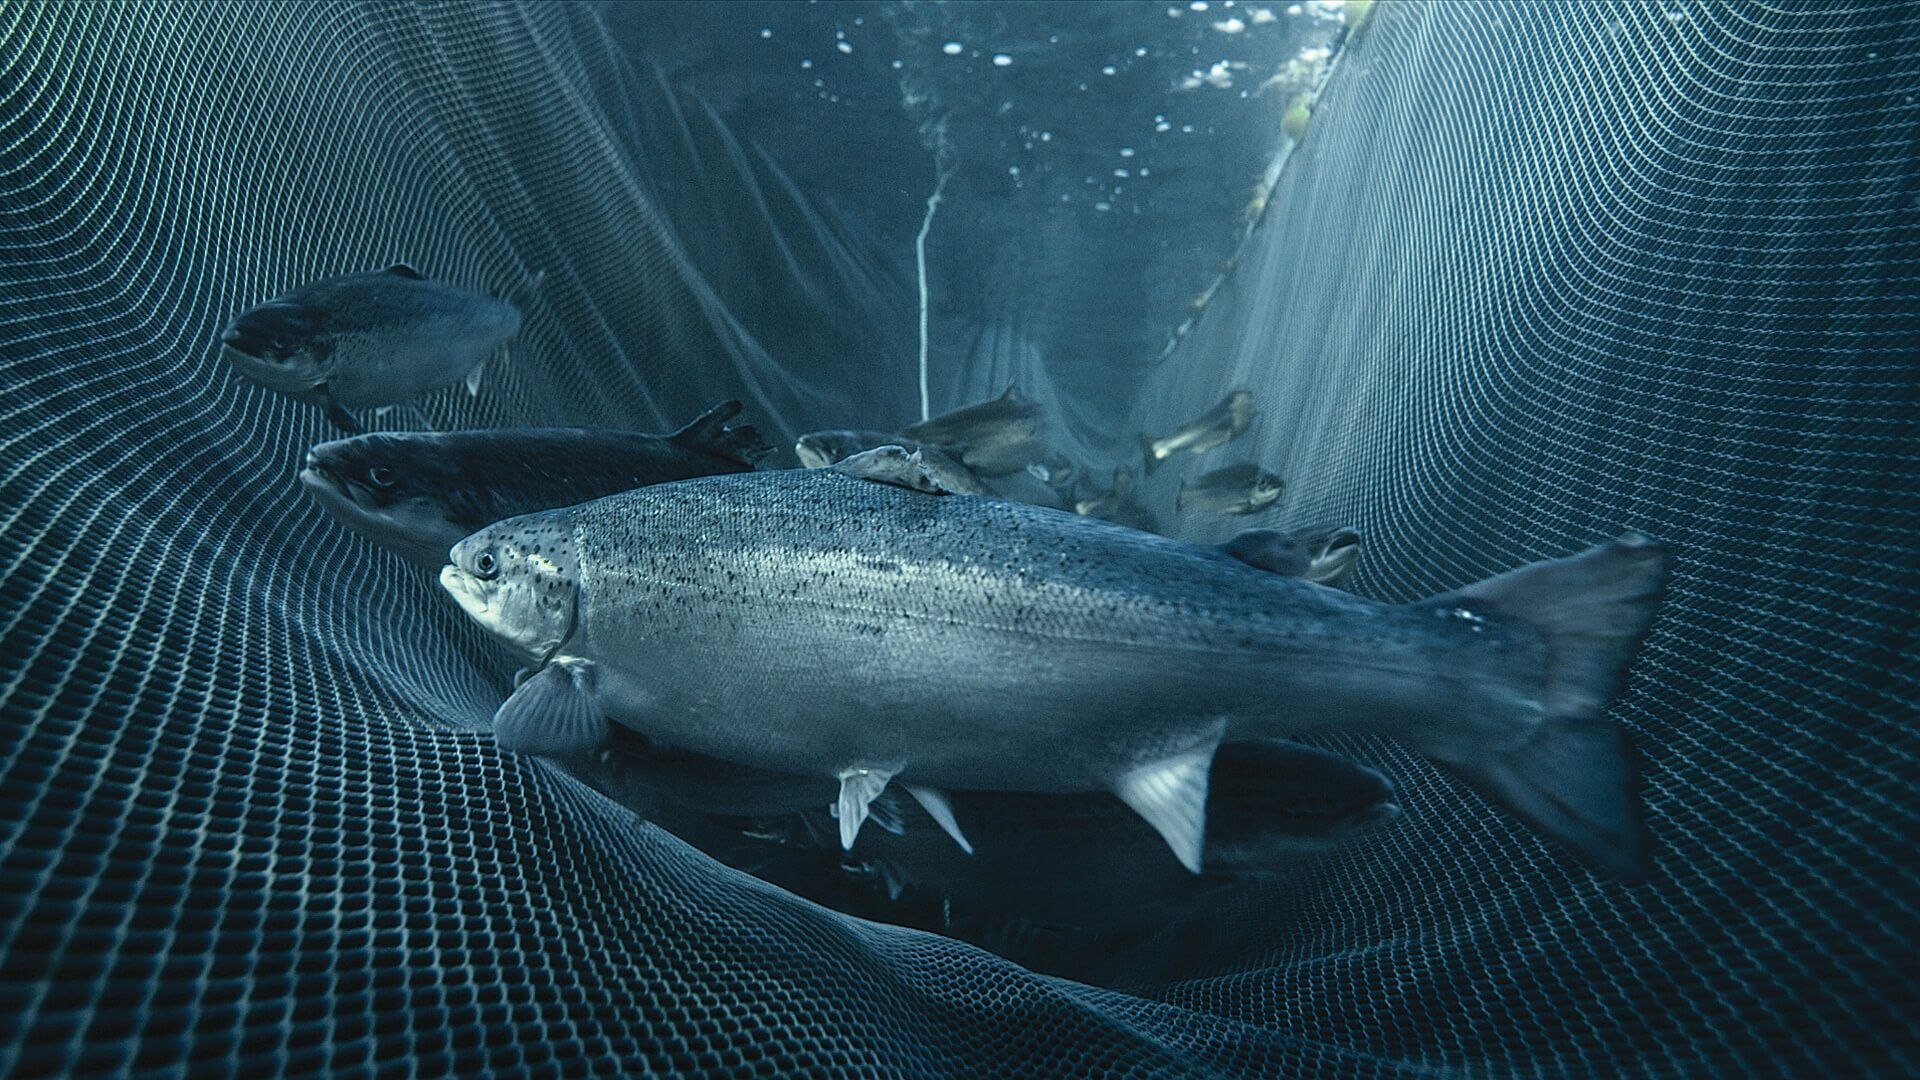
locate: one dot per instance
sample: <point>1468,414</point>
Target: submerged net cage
<point>1513,279</point>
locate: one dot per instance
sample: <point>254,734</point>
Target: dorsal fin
<point>893,465</point>
<point>405,271</point>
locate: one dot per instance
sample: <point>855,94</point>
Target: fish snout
<point>810,454</point>
<point>325,487</point>
<point>465,590</point>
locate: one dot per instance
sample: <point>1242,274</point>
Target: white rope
<point>920,259</point>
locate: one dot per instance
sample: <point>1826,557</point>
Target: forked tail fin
<point>709,433</point>
<point>1576,779</point>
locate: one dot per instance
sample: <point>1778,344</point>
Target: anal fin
<point>934,802</point>
<point>1171,794</point>
<point>553,713</point>
<point>859,786</point>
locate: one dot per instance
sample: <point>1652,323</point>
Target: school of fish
<point>951,630</point>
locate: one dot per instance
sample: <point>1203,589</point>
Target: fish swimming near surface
<point>1002,457</point>
<point>991,438</point>
<point>1118,505</point>
<point>1008,418</point>
<point>368,340</point>
<point>1236,489</point>
<point>823,449</point>
<point>1086,860</point>
<point>1220,425</point>
<point>824,622</point>
<point>820,449</point>
<point>419,493</point>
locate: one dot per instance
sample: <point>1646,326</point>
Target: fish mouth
<point>1370,817</point>
<point>278,377</point>
<point>324,485</point>
<point>1339,818</point>
<point>811,456</point>
<point>1342,541</point>
<point>465,590</point>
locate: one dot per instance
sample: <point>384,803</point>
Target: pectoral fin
<point>553,713</point>
<point>341,418</point>
<point>473,379</point>
<point>1172,795</point>
<point>858,787</point>
<point>884,811</point>
<point>893,465</point>
<point>890,880</point>
<point>934,802</point>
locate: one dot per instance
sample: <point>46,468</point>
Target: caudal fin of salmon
<point>1576,779</point>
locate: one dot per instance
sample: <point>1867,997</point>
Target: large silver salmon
<point>822,622</point>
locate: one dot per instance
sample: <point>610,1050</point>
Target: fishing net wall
<point>1534,275</point>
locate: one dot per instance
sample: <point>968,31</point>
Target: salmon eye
<point>485,565</point>
<point>380,476</point>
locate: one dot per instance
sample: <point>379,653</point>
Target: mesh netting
<point>1534,275</point>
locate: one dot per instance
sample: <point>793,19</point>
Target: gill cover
<point>282,345</point>
<point>520,580</point>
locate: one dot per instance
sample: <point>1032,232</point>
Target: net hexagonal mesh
<point>1535,274</point>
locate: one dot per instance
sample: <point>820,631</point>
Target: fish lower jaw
<point>327,487</point>
<point>462,587</point>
